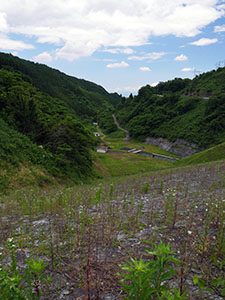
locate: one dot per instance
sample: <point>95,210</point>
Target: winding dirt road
<point>120,128</point>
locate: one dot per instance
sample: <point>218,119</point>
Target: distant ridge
<point>192,110</point>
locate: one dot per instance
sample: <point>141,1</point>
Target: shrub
<point>149,279</point>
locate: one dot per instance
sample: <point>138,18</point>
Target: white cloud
<point>148,56</point>
<point>181,57</point>
<point>220,28</point>
<point>9,44</point>
<point>3,22</point>
<point>153,84</point>
<point>119,50</point>
<point>79,28</point>
<point>187,70</point>
<point>43,57</point>
<point>145,69</point>
<point>126,90</point>
<point>121,64</point>
<point>204,42</point>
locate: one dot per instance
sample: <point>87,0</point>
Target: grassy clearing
<point>84,233</point>
<point>209,155</point>
<point>123,164</point>
<point>118,143</point>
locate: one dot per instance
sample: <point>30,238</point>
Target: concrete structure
<point>102,149</point>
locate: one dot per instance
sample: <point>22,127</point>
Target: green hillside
<point>208,84</point>
<point>193,110</point>
<point>45,110</point>
<point>211,154</point>
<point>32,118</point>
<point>87,99</point>
<point>22,161</point>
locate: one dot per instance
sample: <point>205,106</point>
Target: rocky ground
<point>84,234</point>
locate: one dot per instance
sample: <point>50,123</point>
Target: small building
<point>102,149</point>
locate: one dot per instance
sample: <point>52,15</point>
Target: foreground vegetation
<point>85,234</point>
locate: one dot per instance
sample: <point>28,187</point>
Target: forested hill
<point>193,110</point>
<point>85,98</point>
<point>46,118</point>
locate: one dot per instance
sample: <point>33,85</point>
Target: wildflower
<point>189,232</point>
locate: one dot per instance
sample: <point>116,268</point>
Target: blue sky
<point>121,45</point>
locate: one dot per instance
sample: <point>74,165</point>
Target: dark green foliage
<point>64,142</point>
<point>16,148</point>
<point>51,108</point>
<point>175,85</point>
<point>106,121</point>
<point>207,84</point>
<point>85,98</point>
<point>193,110</point>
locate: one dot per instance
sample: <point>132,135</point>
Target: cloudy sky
<point>120,44</point>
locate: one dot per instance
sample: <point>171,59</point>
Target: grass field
<point>122,164</point>
<point>118,143</point>
<point>118,163</point>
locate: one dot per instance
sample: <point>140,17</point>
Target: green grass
<point>123,164</point>
<point>118,143</point>
<point>119,134</point>
<point>209,155</point>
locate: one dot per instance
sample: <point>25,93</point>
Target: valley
<point>76,222</point>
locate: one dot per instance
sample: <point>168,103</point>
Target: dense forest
<point>193,110</point>
<point>84,98</point>
<point>29,119</point>
<point>46,117</point>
